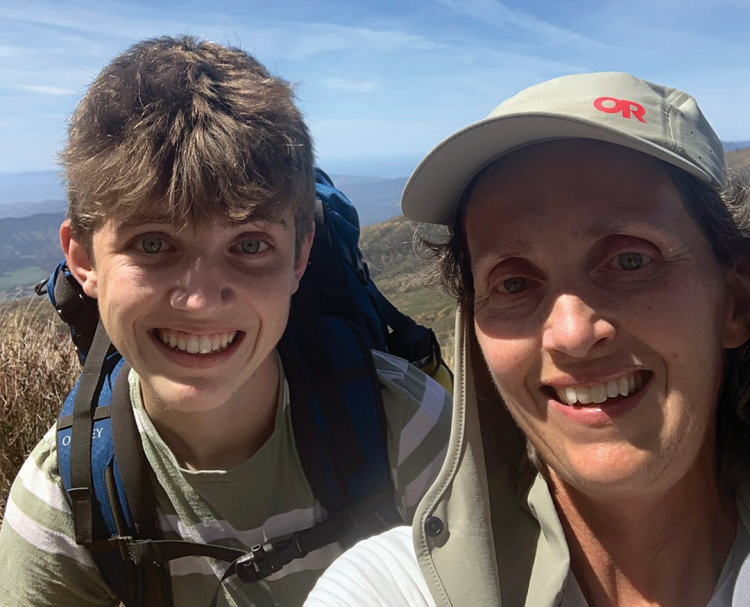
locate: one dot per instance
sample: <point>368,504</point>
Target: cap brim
<point>432,192</point>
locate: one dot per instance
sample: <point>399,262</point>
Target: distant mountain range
<point>29,227</point>
<point>24,194</point>
<point>376,198</point>
<point>731,146</point>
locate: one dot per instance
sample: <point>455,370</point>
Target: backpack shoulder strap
<point>96,441</point>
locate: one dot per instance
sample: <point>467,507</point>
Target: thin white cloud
<point>112,19</point>
<point>299,41</point>
<point>347,84</point>
<point>498,15</point>
<point>55,91</point>
<point>11,51</point>
<point>284,39</point>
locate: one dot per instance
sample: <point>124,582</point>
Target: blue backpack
<point>337,318</point>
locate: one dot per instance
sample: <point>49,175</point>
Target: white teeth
<point>624,386</point>
<point>197,344</point>
<point>599,393</point>
<point>205,344</point>
<point>612,389</point>
<point>193,343</point>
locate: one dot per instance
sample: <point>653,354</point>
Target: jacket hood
<point>488,489</point>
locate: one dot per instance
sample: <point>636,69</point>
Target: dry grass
<point>38,366</point>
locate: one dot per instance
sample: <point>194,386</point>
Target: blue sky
<point>380,81</point>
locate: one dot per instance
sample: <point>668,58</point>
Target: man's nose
<point>575,328</point>
<point>202,286</point>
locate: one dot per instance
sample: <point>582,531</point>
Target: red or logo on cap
<point>612,105</point>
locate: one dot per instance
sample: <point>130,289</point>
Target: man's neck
<point>224,436</point>
<point>666,550</point>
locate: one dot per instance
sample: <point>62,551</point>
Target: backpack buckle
<point>265,560</point>
<point>359,265</point>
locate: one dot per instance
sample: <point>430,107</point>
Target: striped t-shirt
<point>260,499</point>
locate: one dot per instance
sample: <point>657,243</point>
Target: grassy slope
<point>739,160</point>
<point>37,369</point>
<point>402,275</point>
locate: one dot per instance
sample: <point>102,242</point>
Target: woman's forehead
<point>582,189</point>
<point>566,173</point>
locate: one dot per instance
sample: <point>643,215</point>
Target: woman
<point>599,453</point>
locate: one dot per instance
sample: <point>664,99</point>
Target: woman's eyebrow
<point>514,248</point>
<point>604,228</point>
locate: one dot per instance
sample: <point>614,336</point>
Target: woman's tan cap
<point>610,106</point>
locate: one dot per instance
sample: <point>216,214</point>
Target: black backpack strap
<point>150,583</point>
<point>81,492</point>
<point>133,466</point>
<point>265,560</point>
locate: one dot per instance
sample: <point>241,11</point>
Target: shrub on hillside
<point>38,366</point>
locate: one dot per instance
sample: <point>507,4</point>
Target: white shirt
<point>381,571</point>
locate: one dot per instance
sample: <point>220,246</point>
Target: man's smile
<point>196,344</point>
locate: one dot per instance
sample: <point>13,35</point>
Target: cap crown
<point>610,106</point>
<point>634,108</point>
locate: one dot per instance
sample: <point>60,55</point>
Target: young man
<point>190,221</point>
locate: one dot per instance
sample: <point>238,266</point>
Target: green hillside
<point>401,274</point>
<point>29,251</point>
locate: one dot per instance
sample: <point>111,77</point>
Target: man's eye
<point>152,244</point>
<point>632,261</point>
<point>253,245</point>
<point>514,285</point>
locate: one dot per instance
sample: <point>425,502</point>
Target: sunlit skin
<point>587,267</point>
<point>215,409</point>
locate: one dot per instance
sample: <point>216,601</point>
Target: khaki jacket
<point>456,522</point>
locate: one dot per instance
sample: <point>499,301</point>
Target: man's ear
<point>300,265</point>
<point>78,260</point>
<point>737,323</point>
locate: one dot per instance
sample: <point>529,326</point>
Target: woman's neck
<point>665,549</point>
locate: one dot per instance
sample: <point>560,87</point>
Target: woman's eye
<point>514,285</point>
<point>152,244</point>
<point>632,261</point>
<point>253,245</point>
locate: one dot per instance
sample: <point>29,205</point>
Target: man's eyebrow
<point>264,221</point>
<point>128,223</point>
<point>134,222</point>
